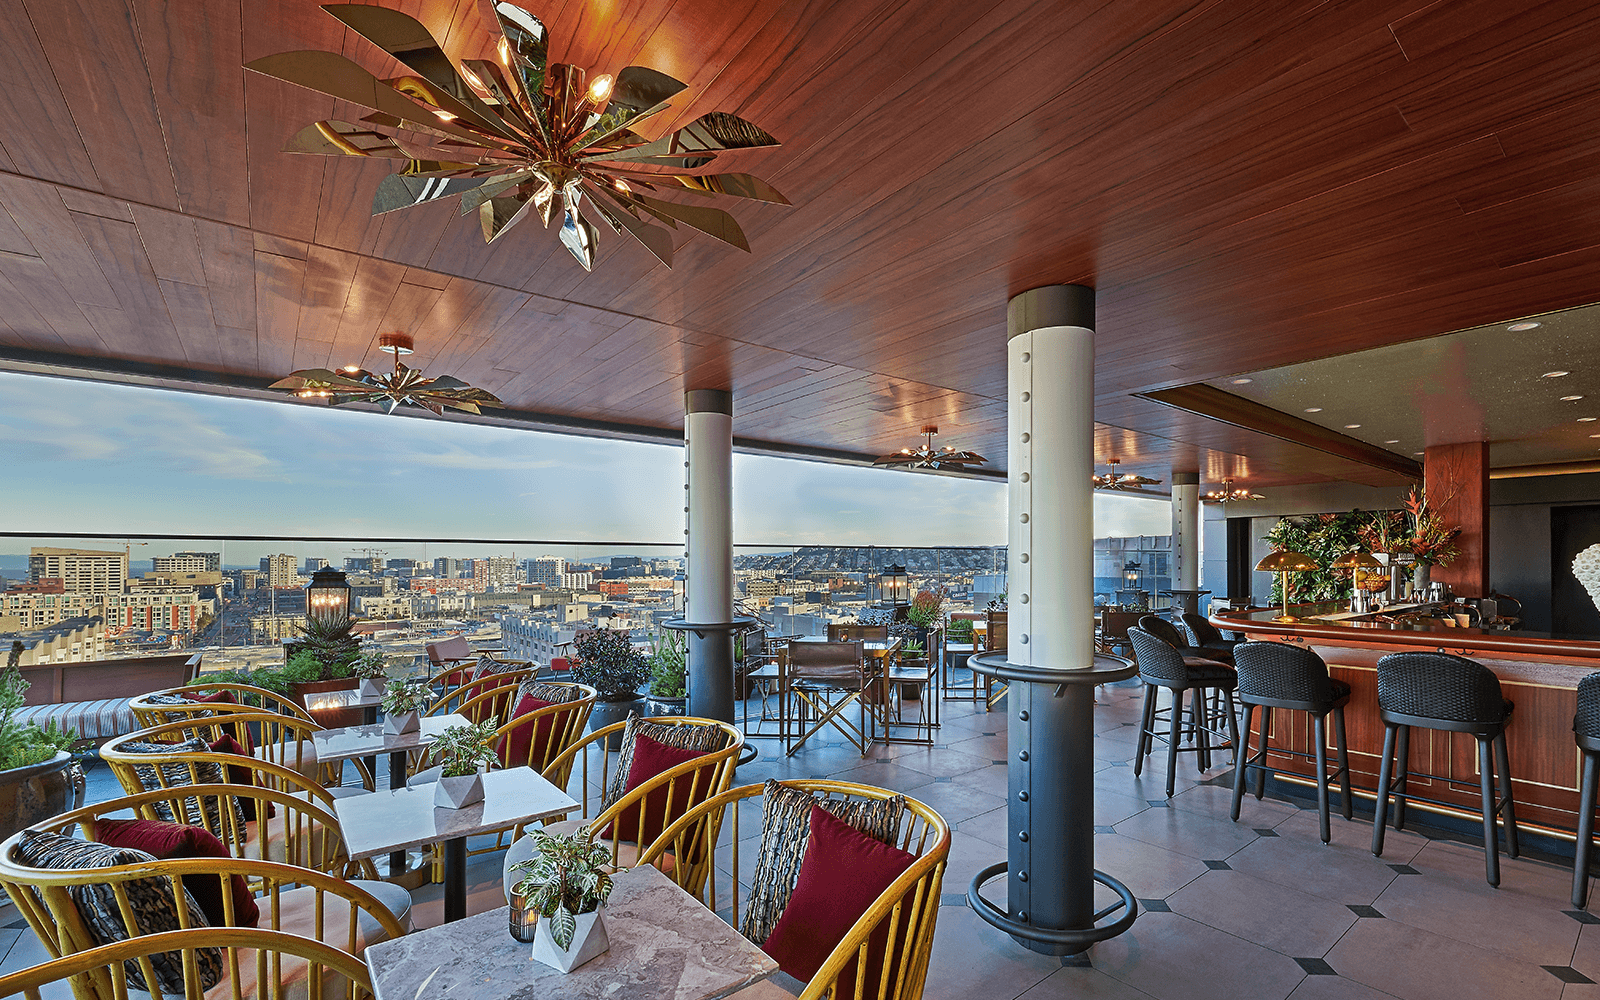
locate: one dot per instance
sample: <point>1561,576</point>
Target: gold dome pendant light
<point>927,457</point>
<point>518,132</point>
<point>354,384</point>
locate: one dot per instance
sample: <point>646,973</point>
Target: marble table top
<point>398,818</point>
<point>367,741</point>
<point>664,946</point>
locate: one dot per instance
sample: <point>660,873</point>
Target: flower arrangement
<point>462,750</point>
<point>408,694</point>
<point>566,876</point>
<point>1432,541</point>
<point>927,608</point>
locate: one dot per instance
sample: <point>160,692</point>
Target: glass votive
<point>524,921</point>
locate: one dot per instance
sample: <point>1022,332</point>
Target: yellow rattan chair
<point>568,719</point>
<point>99,972</point>
<point>247,699</point>
<point>490,698</point>
<point>274,739</point>
<point>687,852</point>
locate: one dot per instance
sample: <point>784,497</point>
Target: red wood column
<point>1456,483</point>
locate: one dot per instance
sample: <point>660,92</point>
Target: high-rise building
<point>446,568</point>
<point>546,570</point>
<point>81,571</point>
<point>280,571</point>
<point>187,562</point>
<point>312,564</point>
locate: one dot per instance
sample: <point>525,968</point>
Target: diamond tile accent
<point>952,899</point>
<point>1363,910</point>
<point>1566,973</point>
<point>944,780</point>
<point>1154,906</point>
<point>1316,967</point>
<point>1404,870</point>
<point>1581,916</point>
<point>1158,803</point>
<point>1219,866</point>
<point>1105,829</point>
<point>1079,961</point>
<point>998,760</point>
<point>1263,832</point>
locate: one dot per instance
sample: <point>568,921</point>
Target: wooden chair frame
<point>495,697</point>
<point>712,773</point>
<point>275,739</point>
<point>150,714</point>
<point>810,692</point>
<point>98,972</point>
<point>692,843</point>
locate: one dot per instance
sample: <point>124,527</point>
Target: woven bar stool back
<point>1161,665</point>
<point>1586,733</point>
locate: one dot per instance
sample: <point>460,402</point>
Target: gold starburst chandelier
<point>1117,481</point>
<point>1228,494</point>
<point>519,132</point>
<point>928,457</point>
<point>354,384</point>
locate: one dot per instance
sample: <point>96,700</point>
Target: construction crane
<point>374,558</point>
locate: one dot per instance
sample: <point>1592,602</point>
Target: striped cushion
<point>785,829</point>
<point>705,739</point>
<point>92,720</point>
<point>555,694</point>
<point>175,774</point>
<point>150,899</point>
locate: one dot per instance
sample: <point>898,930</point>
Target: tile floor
<point>1258,910</point>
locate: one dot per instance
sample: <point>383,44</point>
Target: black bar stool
<point>1453,694</point>
<point>1586,731</point>
<point>1162,666</point>
<point>1206,635</point>
<point>1278,675</point>
<point>1170,634</point>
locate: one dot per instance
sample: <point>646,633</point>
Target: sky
<point>97,457</point>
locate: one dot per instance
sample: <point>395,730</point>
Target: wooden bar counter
<point>1538,671</point>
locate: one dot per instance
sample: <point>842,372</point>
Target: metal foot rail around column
<point>1050,809</point>
<point>710,664</point>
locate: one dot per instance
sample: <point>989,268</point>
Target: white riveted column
<point>1186,539</point>
<point>1051,665</point>
<point>708,445</point>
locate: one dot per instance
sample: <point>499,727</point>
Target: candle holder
<point>524,922</point>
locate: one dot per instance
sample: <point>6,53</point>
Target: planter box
<point>39,791</point>
<point>456,792</point>
<point>589,941</point>
<point>373,687</point>
<point>328,718</point>
<point>402,722</point>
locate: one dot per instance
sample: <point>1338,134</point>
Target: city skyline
<point>91,456</point>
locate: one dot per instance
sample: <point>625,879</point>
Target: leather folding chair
<point>826,678</point>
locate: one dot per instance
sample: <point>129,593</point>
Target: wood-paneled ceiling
<point>1247,183</point>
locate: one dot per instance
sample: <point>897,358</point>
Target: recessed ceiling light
<point>1555,374</point>
<point>1595,435</point>
<point>1570,399</point>
<point>1313,409</point>
<point>1397,441</point>
<point>1351,427</point>
<point>1243,381</point>
<point>1523,327</point>
<point>1587,420</point>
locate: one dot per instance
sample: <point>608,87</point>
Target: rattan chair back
<point>1281,673</point>
<point>567,720</point>
<point>489,698</point>
<point>1159,662</point>
<point>247,698</point>
<point>1201,631</point>
<point>99,973</point>
<point>1587,722</point>
<point>1440,686</point>
<point>277,739</point>
<point>1163,630</point>
<point>905,912</point>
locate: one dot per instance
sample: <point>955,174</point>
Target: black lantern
<point>1132,573</point>
<point>328,597</point>
<point>894,586</point>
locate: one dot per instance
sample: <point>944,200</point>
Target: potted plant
<point>373,671</point>
<point>668,690</point>
<point>463,754</point>
<point>39,776</point>
<point>403,702</point>
<point>321,660</point>
<point>567,884</point>
<point>605,660</point>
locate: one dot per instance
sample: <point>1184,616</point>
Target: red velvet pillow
<point>844,871</point>
<point>513,747</point>
<point>560,665</point>
<point>651,758</point>
<point>239,775</point>
<point>175,840</point>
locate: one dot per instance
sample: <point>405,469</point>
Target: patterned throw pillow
<point>150,899</point>
<point>785,828</point>
<point>555,694</point>
<point>167,699</point>
<point>487,665</point>
<point>175,774</point>
<point>704,739</point>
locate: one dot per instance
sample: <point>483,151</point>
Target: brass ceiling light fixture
<point>519,132</point>
<point>928,457</point>
<point>354,384</point>
<point>1116,481</point>
<point>1230,494</point>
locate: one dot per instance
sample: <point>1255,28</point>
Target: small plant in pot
<point>668,690</point>
<point>565,889</point>
<point>403,702</point>
<point>605,660</point>
<point>463,754</point>
<point>373,671</point>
